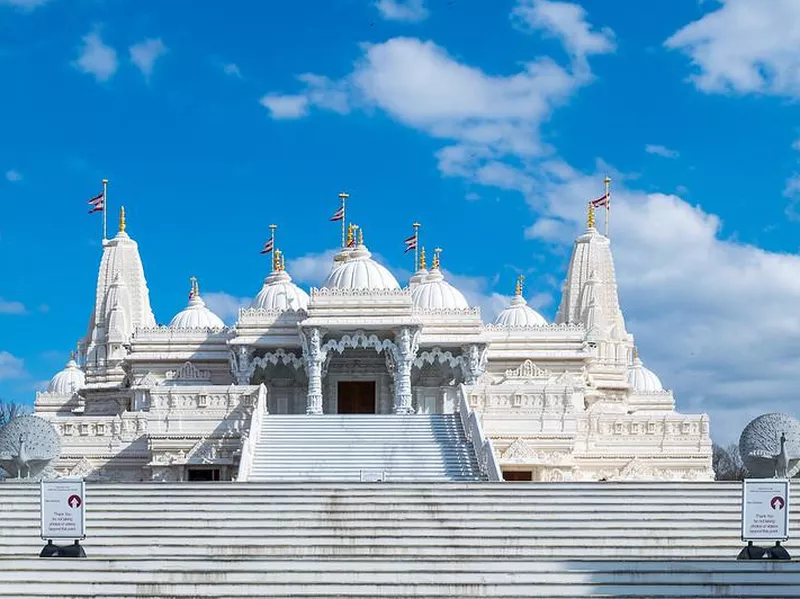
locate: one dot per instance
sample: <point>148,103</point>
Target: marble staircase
<point>337,447</point>
<point>394,540</point>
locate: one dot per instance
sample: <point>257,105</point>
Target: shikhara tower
<point>569,400</point>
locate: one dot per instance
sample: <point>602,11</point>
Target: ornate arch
<point>357,340</point>
<point>437,355</point>
<point>279,356</point>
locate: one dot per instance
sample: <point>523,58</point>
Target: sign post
<point>765,517</point>
<point>63,516</point>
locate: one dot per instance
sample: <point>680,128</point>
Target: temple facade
<point>567,400</point>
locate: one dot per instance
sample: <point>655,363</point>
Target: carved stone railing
<point>253,435</point>
<point>484,450</point>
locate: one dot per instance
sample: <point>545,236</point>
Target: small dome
<point>357,270</point>
<point>434,293</point>
<point>68,381</point>
<point>196,315</point>
<point>519,314</point>
<point>643,379</point>
<point>279,293</point>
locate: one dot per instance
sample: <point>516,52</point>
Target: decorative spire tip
<point>436,260</point>
<point>520,282</point>
<point>422,261</point>
<point>122,219</point>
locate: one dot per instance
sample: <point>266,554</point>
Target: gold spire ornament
<point>122,219</point>
<point>590,217</point>
<point>520,280</point>
<point>436,261</point>
<point>422,261</point>
<point>277,261</point>
<point>194,290</point>
<point>635,353</point>
<point>350,229</point>
<point>360,236</point>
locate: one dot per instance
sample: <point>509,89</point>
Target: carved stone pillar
<point>474,363</point>
<point>404,352</point>
<point>314,358</point>
<point>241,364</point>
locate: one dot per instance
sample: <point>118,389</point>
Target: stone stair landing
<point>331,447</point>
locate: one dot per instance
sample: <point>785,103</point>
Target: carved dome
<point>760,444</point>
<point>357,270</point>
<point>196,315</point>
<point>280,293</point>
<point>643,379</point>
<point>67,381</point>
<point>520,314</point>
<point>434,293</point>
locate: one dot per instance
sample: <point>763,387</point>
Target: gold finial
<point>350,228</point>
<point>635,353</point>
<point>283,261</point>
<point>422,261</point>
<point>122,219</point>
<point>194,291</point>
<point>344,195</point>
<point>436,261</point>
<point>360,236</point>
<point>520,280</point>
<point>277,255</point>
<point>590,217</point>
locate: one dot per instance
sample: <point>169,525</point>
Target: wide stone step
<point>394,579</point>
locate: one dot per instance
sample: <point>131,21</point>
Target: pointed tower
<point>589,297</point>
<point>122,303</point>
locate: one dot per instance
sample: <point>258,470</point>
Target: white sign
<point>765,509</point>
<point>372,476</point>
<point>63,509</point>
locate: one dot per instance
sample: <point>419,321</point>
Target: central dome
<point>434,293</point>
<point>196,315</point>
<point>67,381</point>
<point>359,271</point>
<point>279,293</point>
<point>643,379</point>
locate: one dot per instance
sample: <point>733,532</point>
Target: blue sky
<point>490,123</point>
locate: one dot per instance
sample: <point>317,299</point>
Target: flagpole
<point>416,245</point>
<point>105,207</point>
<point>607,182</point>
<point>343,196</point>
<point>272,237</point>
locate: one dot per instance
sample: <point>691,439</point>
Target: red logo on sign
<point>74,501</point>
<point>777,502</point>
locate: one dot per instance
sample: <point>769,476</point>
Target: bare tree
<point>9,410</point>
<point>727,462</point>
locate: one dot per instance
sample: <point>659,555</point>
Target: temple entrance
<point>356,397</point>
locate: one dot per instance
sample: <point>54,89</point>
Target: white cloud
<point>145,54</point>
<point>24,4</point>
<point>285,106</point>
<point>225,305</point>
<point>410,11</point>
<point>232,70</point>
<point>10,307</point>
<point>13,176</point>
<point>662,151</point>
<point>715,319</point>
<point>744,46</point>
<point>96,58</point>
<point>567,22</point>
<point>311,269</point>
<point>11,367</point>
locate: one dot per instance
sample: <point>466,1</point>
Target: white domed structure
<point>280,293</point>
<point>357,270</point>
<point>643,379</point>
<point>519,313</point>
<point>434,293</point>
<point>67,381</point>
<point>196,315</point>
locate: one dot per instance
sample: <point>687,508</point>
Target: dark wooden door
<point>356,397</point>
